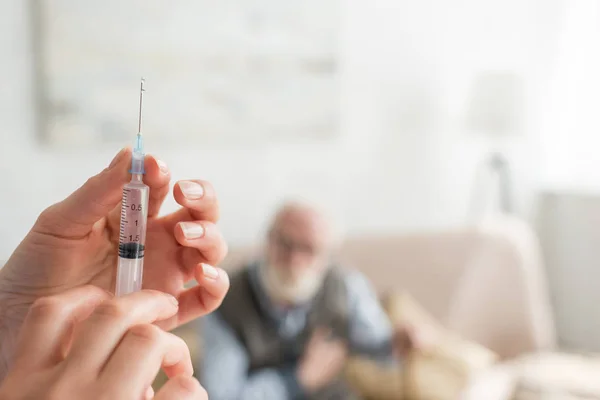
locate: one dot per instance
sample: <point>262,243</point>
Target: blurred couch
<point>485,283</point>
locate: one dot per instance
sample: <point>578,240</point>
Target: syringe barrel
<point>130,273</point>
<point>132,236</point>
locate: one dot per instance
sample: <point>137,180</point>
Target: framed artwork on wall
<point>216,71</point>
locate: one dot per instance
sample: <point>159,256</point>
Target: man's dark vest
<point>258,333</point>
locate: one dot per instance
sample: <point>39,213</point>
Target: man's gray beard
<point>288,290</point>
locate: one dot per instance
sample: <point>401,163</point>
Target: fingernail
<point>172,299</point>
<point>191,190</point>
<point>116,159</point>
<point>192,230</point>
<point>209,271</point>
<point>163,167</point>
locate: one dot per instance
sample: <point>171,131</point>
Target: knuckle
<point>216,248</point>
<point>192,386</point>
<point>92,290</point>
<point>224,248</point>
<point>47,216</point>
<point>111,309</point>
<point>92,180</point>
<point>177,340</point>
<point>145,333</point>
<point>202,393</point>
<point>214,255</point>
<point>47,307</point>
<point>216,214</point>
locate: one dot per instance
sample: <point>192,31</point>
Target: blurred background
<point>402,116</point>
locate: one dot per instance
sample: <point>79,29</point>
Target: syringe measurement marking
<point>123,215</point>
<point>124,207</point>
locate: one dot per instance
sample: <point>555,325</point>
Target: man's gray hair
<point>329,215</point>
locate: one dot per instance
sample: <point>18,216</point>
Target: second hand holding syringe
<point>134,216</point>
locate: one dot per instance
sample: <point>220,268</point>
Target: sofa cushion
<point>445,363</point>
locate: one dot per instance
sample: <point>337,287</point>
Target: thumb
<point>76,215</point>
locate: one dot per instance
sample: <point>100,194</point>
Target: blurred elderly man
<point>291,319</point>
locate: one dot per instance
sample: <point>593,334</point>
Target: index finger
<point>157,178</point>
<point>103,330</point>
<point>49,322</point>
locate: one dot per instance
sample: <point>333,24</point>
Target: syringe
<point>134,214</point>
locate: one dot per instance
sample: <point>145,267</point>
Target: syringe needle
<point>137,160</point>
<point>140,112</point>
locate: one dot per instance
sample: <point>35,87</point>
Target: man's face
<point>298,247</point>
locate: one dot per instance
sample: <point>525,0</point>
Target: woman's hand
<point>74,243</point>
<point>84,344</point>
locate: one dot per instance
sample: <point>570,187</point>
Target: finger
<point>204,236</point>
<point>202,299</point>
<point>342,348</point>
<point>140,355</point>
<point>157,178</point>
<point>199,198</point>
<point>187,258</point>
<point>102,331</point>
<point>182,388</point>
<point>49,323</point>
<point>76,215</point>
<point>335,352</point>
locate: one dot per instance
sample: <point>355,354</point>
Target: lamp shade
<point>495,105</point>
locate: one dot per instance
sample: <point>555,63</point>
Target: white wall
<point>571,122</point>
<point>403,160</point>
